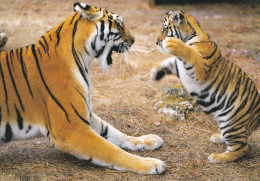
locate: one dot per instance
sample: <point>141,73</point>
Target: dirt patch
<point>125,95</point>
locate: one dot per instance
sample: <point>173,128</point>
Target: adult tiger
<point>221,88</point>
<point>45,90</point>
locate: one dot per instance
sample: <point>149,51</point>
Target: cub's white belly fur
<point>188,82</point>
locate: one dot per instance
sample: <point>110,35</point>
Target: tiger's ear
<point>177,17</point>
<point>88,12</point>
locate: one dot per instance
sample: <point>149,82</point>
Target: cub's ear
<point>88,12</point>
<point>177,17</point>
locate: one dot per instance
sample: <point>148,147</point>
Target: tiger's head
<point>110,33</point>
<point>178,24</point>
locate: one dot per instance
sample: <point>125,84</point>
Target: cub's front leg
<point>192,60</point>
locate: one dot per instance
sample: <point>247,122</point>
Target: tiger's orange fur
<point>45,90</point>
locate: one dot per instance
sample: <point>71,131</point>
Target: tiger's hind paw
<point>217,138</point>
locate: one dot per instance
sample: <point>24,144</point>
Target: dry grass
<point>124,95</point>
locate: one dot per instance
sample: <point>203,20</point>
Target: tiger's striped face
<point>176,24</point>
<point>110,33</point>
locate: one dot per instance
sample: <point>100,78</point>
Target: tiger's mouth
<point>121,48</point>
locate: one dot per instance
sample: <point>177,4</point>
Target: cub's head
<point>178,24</point>
<point>107,33</point>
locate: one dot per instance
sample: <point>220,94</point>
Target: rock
<point>176,102</point>
<point>3,37</point>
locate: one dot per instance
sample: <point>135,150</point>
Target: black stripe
<point>207,104</point>
<point>227,111</point>
<point>13,82</point>
<point>245,87</point>
<point>176,32</point>
<point>210,41</point>
<point>192,35</point>
<point>105,132</point>
<point>81,94</point>
<point>93,43</point>
<point>86,51</point>
<point>0,116</point>
<point>48,119</point>
<point>242,105</point>
<point>24,70</point>
<point>3,80</point>
<point>109,25</point>
<point>19,118</point>
<point>203,96</point>
<point>50,37</point>
<point>100,51</point>
<point>45,84</point>
<point>77,113</point>
<point>46,45</point>
<point>230,130</point>
<point>75,55</point>
<point>217,76</point>
<point>8,133</point>
<point>73,17</point>
<point>210,56</point>
<point>39,52</point>
<point>177,70</point>
<point>12,58</point>
<point>58,34</point>
<point>217,108</point>
<point>40,42</point>
<point>188,68</point>
<point>102,25</point>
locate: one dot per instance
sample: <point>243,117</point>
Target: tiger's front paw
<point>151,166</point>
<point>174,46</point>
<point>146,142</point>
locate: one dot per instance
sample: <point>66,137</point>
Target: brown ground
<point>124,95</point>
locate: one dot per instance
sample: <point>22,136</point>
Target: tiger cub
<point>221,88</point>
<point>45,90</point>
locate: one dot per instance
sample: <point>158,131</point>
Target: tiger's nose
<point>132,40</point>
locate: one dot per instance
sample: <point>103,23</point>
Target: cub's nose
<point>158,42</point>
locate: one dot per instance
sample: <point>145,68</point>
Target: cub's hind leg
<point>145,142</point>
<point>169,66</point>
<point>237,146</point>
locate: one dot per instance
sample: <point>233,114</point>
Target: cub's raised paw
<point>174,46</point>
<point>217,138</point>
<point>145,142</point>
<point>151,166</point>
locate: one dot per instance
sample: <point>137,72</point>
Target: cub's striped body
<point>222,89</point>
<point>45,90</point>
